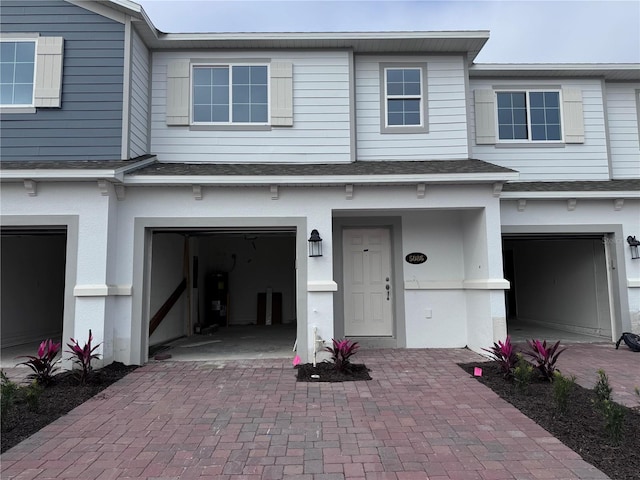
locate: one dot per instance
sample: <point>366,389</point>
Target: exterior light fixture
<point>633,244</point>
<point>315,244</point>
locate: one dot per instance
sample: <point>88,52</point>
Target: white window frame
<point>527,92</point>
<point>22,106</point>
<point>230,66</point>
<point>384,97</point>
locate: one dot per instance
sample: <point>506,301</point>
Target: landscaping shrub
<point>602,389</point>
<point>341,352</point>
<point>613,419</point>
<point>505,355</point>
<point>562,388</point>
<point>8,391</point>
<point>545,358</point>
<point>43,365</point>
<point>522,374</point>
<point>32,394</point>
<point>82,356</point>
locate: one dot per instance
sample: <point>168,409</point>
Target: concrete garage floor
<point>245,342</point>
<point>521,332</point>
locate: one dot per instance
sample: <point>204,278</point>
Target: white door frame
<point>372,218</point>
<point>377,319</point>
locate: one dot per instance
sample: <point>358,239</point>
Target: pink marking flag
<point>296,361</point>
<point>477,372</point>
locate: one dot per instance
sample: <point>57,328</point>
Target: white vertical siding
<point>320,131</point>
<point>446,112</point>
<point>622,112</point>
<point>140,70</point>
<point>584,161</point>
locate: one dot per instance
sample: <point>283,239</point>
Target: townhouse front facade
<point>380,186</point>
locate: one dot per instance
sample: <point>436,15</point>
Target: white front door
<point>367,282</point>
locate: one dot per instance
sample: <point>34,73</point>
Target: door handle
<point>388,287</point>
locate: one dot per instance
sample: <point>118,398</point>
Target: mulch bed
<point>56,400</point>
<point>326,372</point>
<point>581,427</point>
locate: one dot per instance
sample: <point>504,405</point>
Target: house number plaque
<point>416,258</point>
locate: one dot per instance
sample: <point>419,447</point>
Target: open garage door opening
<point>32,289</point>
<point>222,293</point>
<point>560,288</point>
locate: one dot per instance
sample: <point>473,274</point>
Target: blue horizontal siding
<point>89,123</point>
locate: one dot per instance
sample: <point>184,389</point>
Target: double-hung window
<point>230,94</point>
<point>17,73</point>
<point>404,98</point>
<point>529,116</point>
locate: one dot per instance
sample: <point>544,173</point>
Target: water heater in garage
<point>217,299</point>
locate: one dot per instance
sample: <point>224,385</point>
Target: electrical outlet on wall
<point>428,313</point>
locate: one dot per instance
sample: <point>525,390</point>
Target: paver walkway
<point>421,417</point>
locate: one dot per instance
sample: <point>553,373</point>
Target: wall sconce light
<point>315,244</point>
<point>633,244</point>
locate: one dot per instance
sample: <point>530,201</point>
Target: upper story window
<point>230,94</point>
<point>404,96</point>
<point>17,70</point>
<point>529,116</point>
<point>403,108</point>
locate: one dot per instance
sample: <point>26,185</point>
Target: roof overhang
<point>75,171</point>
<point>589,189</point>
<point>468,43</point>
<point>147,171</point>
<point>628,72</point>
<point>316,180</point>
<point>563,195</point>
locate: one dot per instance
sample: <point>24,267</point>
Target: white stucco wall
<point>85,300</point>
<point>452,225</point>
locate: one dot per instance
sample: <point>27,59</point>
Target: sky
<point>534,31</point>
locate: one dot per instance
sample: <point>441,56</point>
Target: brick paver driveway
<point>420,417</point>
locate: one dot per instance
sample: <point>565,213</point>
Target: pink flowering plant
<point>545,358</point>
<point>44,364</point>
<point>82,356</point>
<point>341,352</point>
<point>505,355</point>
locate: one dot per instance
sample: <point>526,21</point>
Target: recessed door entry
<point>368,286</point>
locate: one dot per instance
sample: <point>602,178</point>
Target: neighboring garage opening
<point>233,289</point>
<point>32,287</point>
<point>560,287</point>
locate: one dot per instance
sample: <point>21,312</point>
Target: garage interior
<point>222,293</point>
<point>32,289</point>
<point>560,288</point>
